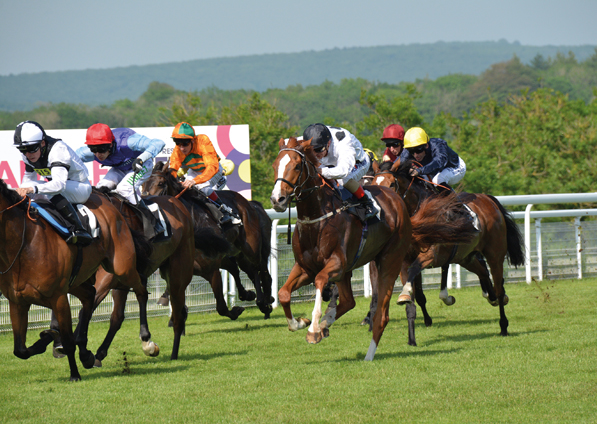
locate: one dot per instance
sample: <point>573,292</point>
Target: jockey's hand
<point>414,172</point>
<point>137,165</point>
<point>24,191</point>
<point>188,183</point>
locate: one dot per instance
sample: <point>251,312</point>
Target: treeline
<point>522,129</point>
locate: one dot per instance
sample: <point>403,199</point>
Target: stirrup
<point>79,237</point>
<point>229,215</point>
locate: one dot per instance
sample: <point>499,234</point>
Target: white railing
<point>556,254</point>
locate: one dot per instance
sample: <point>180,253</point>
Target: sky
<point>58,35</point>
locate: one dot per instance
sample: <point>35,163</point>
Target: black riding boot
<point>151,226</point>
<point>222,213</point>
<point>367,203</point>
<point>80,236</point>
<point>229,215</point>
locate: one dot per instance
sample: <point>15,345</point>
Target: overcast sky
<point>41,35</point>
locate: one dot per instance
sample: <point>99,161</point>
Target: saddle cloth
<point>359,212</point>
<point>162,218</point>
<point>48,211</point>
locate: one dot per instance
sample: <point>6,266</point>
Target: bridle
<point>298,192</point>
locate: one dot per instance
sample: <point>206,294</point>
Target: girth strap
<point>76,266</point>
<point>362,244</point>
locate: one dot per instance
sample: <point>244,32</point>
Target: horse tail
<point>266,229</point>
<point>440,220</point>
<point>513,236</point>
<point>210,243</point>
<point>143,250</point>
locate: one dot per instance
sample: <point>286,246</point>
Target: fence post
<point>273,262</point>
<point>539,248</point>
<point>366,281</point>
<point>527,242</point>
<point>577,232</point>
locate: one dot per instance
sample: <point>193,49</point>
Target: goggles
<point>29,149</point>
<point>417,150</point>
<point>319,149</point>
<point>393,144</point>
<point>100,148</point>
<point>182,142</point>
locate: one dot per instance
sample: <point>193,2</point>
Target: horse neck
<point>317,201</point>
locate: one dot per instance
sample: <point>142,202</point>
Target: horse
<point>39,268</point>
<point>329,242</point>
<point>498,238</point>
<point>251,242</point>
<point>174,256</point>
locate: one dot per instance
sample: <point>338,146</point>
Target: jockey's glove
<point>137,165</point>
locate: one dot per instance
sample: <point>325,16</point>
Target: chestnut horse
<point>329,242</point>
<point>173,256</point>
<point>498,238</point>
<point>251,242</point>
<point>37,268</point>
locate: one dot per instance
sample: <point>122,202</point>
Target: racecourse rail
<point>559,250</point>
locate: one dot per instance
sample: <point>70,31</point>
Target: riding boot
<point>222,213</point>
<point>80,236</point>
<point>151,226</point>
<point>229,215</point>
<point>367,203</point>
<point>444,188</point>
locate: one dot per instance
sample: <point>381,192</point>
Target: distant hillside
<point>391,64</point>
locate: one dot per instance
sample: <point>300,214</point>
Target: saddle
<point>354,207</point>
<point>48,212</point>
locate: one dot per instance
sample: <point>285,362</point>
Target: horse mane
<point>10,195</point>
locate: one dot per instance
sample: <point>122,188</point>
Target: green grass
<point>252,370</point>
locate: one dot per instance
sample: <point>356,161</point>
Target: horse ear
<point>281,143</point>
<point>395,166</point>
<point>375,166</point>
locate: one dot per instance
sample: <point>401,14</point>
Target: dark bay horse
<point>173,256</point>
<point>37,268</point>
<point>251,242</point>
<point>329,243</point>
<point>498,238</point>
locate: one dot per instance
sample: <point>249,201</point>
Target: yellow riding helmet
<point>371,154</point>
<point>228,166</point>
<point>414,137</point>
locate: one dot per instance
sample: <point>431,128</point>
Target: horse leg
<point>345,304</point>
<point>297,278</point>
<point>497,272</point>
<point>407,292</point>
<point>116,318</point>
<point>149,347</point>
<point>230,265</point>
<point>373,276</point>
<point>422,300</point>
<point>215,280</point>
<point>86,294</point>
<point>19,319</point>
<point>62,311</point>
<point>316,333</point>
<point>443,290</point>
<point>54,331</point>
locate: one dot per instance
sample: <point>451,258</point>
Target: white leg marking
<point>371,351</point>
<point>407,289</point>
<point>314,327</point>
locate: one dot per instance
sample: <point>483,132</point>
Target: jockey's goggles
<point>319,149</point>
<point>183,142</point>
<point>100,148</point>
<point>393,144</point>
<point>417,150</point>
<point>32,148</point>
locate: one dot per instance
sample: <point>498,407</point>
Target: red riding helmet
<point>99,134</point>
<point>393,131</point>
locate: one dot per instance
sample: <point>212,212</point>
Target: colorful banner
<point>230,141</point>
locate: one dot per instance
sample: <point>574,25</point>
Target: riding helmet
<point>391,133</point>
<point>414,137</point>
<point>29,133</point>
<point>99,134</point>
<point>319,135</point>
<point>183,130</point>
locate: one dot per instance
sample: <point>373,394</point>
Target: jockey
<point>67,177</point>
<point>341,157</point>
<point>205,173</point>
<point>437,159</point>
<point>130,156</point>
<point>393,136</point>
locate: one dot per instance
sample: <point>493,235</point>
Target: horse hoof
<point>90,362</point>
<point>325,333</point>
<point>506,299</point>
<point>163,301</point>
<point>58,352</point>
<point>74,379</point>
<point>235,312</point>
<point>150,349</point>
<point>97,363</point>
<point>304,322</point>
<point>52,333</point>
<point>366,321</point>
<point>404,299</point>
<point>314,338</point>
<point>248,296</point>
<point>450,300</point>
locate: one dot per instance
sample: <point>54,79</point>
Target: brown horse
<point>498,237</point>
<point>173,256</point>
<point>251,242</point>
<point>38,266</point>
<point>329,242</point>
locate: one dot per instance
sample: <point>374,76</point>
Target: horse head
<point>161,182</point>
<point>294,167</point>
